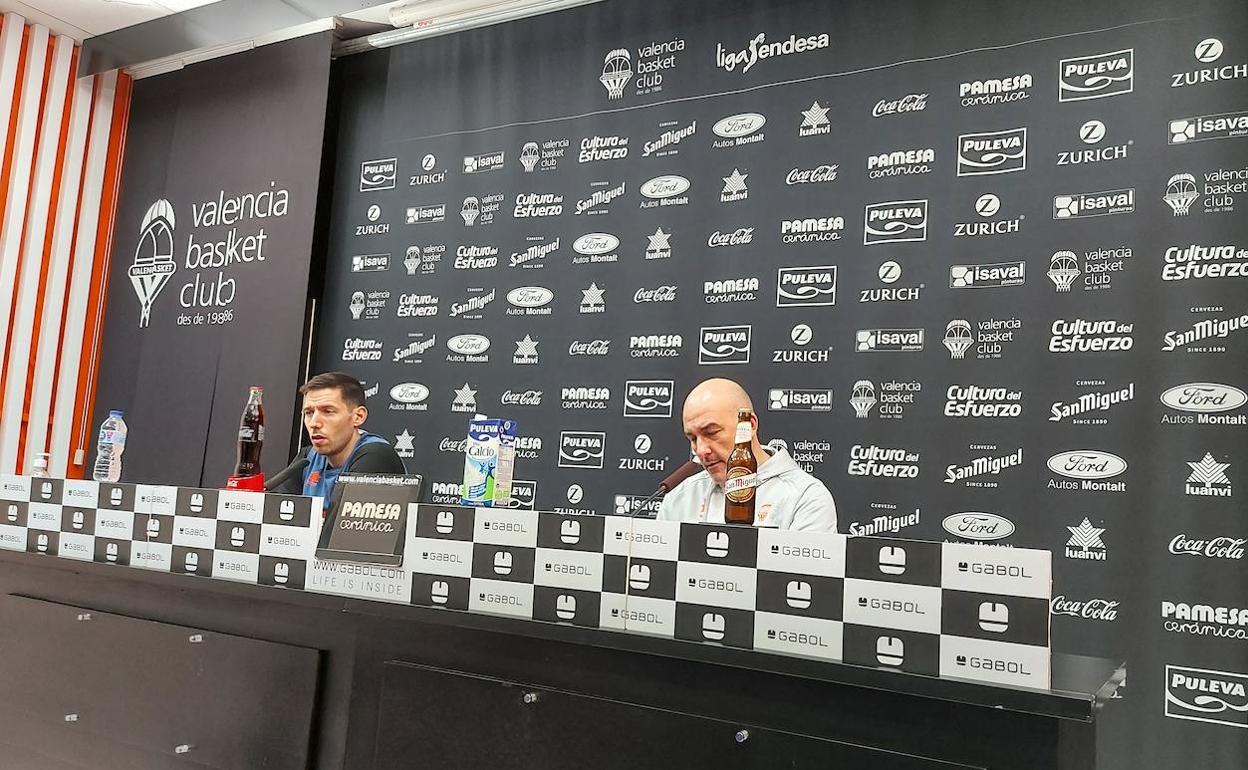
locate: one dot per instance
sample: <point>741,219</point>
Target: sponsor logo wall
<point>996,301</point>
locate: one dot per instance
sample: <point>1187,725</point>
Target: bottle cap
<point>115,413</point>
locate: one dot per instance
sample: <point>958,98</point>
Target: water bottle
<point>108,451</point>
<point>39,467</point>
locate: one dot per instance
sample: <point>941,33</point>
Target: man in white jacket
<point>787,497</point>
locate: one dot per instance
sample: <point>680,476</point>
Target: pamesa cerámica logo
<point>215,250</point>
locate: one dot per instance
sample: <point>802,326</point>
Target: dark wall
<point>233,145</point>
<point>1140,536</point>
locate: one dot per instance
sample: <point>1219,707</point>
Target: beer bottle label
<point>743,433</point>
<point>740,484</point>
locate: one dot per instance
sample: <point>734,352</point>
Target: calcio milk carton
<point>489,459</point>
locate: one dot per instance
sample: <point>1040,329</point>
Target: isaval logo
<point>988,276</point>
<point>888,340</point>
<point>799,400</point>
<point>1094,204</point>
<point>1200,128</point>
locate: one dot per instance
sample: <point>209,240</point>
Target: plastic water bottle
<point>108,451</point>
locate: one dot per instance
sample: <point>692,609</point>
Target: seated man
<point>787,496</point>
<point>333,411</point>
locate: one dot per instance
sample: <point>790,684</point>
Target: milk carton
<point>489,459</point>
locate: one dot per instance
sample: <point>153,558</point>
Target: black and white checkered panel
<point>949,609</point>
<point>244,536</point>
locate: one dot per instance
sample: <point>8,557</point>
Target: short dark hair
<point>346,385</point>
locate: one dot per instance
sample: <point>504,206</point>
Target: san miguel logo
<point>153,258</point>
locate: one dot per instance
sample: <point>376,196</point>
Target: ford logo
<point>468,344</point>
<point>977,525</point>
<point>409,393</point>
<point>596,243</point>
<point>665,186</point>
<point>739,125</point>
<point>1204,397</point>
<point>1087,464</point>
<point>530,296</point>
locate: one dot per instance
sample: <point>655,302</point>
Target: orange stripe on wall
<point>46,252</point>
<point>88,374</point>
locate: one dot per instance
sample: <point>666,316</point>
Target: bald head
<point>710,422</point>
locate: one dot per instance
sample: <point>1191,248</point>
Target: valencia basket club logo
<point>153,258</point>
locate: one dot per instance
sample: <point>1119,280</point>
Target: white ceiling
<point>81,19</point>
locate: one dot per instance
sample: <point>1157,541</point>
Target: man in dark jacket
<point>333,411</point>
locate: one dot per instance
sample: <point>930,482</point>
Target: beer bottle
<point>742,478</point>
<point>251,434</point>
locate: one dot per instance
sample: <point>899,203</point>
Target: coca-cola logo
<point>521,398</point>
<point>1204,397</point>
<point>666,186</point>
<point>743,124</point>
<point>821,173</point>
<point>660,294</point>
<point>530,296</point>
<point>590,348</point>
<point>1214,548</point>
<point>468,344</point>
<point>453,445</point>
<point>907,103</point>
<point>977,525</point>
<point>595,243</point>
<point>1090,609</point>
<point>738,237</point>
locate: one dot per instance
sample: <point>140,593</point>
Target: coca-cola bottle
<point>251,434</point>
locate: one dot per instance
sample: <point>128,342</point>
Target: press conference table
<point>108,666</point>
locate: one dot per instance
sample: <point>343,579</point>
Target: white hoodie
<point>787,497</point>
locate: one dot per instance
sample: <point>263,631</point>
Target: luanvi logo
<point>1205,695</point>
<point>1208,478</point>
<point>378,174</point>
<point>153,264</point>
<point>1096,76</point>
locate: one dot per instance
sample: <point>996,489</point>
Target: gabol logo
<point>799,400</point>
<point>724,345</point>
<point>581,449</point>
<point>1096,76</point>
<point>1209,51</point>
<point>895,221</point>
<point>993,152</point>
<point>1200,128</point>
<point>813,286</point>
<point>1206,695</point>
<point>1094,204</point>
<point>378,174</point>
<point>888,340</point>
<point>648,398</point>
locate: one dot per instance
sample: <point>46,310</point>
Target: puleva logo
<point>153,258</point>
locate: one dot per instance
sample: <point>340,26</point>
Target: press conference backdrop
<point>981,267</point>
<point>209,273</point>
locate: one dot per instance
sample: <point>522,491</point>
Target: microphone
<point>292,470</point>
<point>668,484</point>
